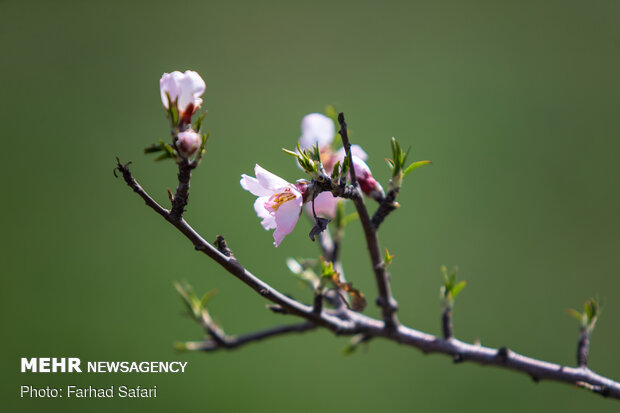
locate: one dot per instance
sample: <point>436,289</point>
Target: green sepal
<point>198,122</point>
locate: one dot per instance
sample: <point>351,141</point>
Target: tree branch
<point>386,301</point>
<point>180,200</point>
<point>386,206</point>
<point>231,343</point>
<point>347,322</point>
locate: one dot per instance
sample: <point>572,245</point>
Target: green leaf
<point>336,171</point>
<point>387,257</point>
<point>457,288</point>
<point>349,218</point>
<point>170,150</point>
<point>163,156</point>
<point>153,148</point>
<point>294,154</point>
<point>173,111</point>
<point>207,297</point>
<point>198,122</point>
<point>415,166</point>
<point>349,349</point>
<point>327,268</point>
<point>575,314</point>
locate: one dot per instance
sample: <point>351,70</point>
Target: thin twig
<point>583,347</point>
<point>231,343</point>
<point>386,206</point>
<point>446,322</point>
<point>386,301</point>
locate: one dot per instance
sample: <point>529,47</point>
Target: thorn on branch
<point>277,309</point>
<point>503,353</point>
<point>222,246</point>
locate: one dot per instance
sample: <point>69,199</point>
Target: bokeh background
<point>515,102</point>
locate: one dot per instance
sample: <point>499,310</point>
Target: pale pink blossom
<point>184,88</point>
<point>188,142</point>
<point>316,128</point>
<point>278,203</point>
<point>325,205</point>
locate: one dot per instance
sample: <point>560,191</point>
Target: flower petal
<point>316,128</point>
<point>325,205</point>
<point>169,82</point>
<point>286,217</point>
<point>356,150</point>
<point>268,180</point>
<point>252,185</point>
<point>191,87</point>
<point>269,221</point>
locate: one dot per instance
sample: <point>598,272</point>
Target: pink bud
<point>188,142</point>
<point>367,182</point>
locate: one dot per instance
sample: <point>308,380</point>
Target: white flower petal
<point>268,180</point>
<point>169,83</point>
<point>252,185</point>
<point>316,128</point>
<point>286,216</point>
<point>356,150</point>
<point>191,87</point>
<point>269,221</point>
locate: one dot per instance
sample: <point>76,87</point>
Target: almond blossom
<point>183,88</point>
<point>278,203</point>
<point>318,129</point>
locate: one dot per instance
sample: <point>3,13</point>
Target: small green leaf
<point>153,148</point>
<point>198,122</point>
<point>575,314</point>
<point>415,166</point>
<point>173,112</point>
<point>349,218</point>
<point>387,257</point>
<point>336,171</point>
<point>163,156</point>
<point>457,288</point>
<point>207,297</point>
<point>294,154</point>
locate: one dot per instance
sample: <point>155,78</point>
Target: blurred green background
<point>515,102</point>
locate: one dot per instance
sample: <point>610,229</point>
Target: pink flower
<point>184,88</point>
<point>325,205</point>
<point>278,203</point>
<point>188,142</point>
<point>316,128</point>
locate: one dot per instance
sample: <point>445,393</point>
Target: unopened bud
<point>188,142</point>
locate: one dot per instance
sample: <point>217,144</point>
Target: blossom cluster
<point>279,203</point>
